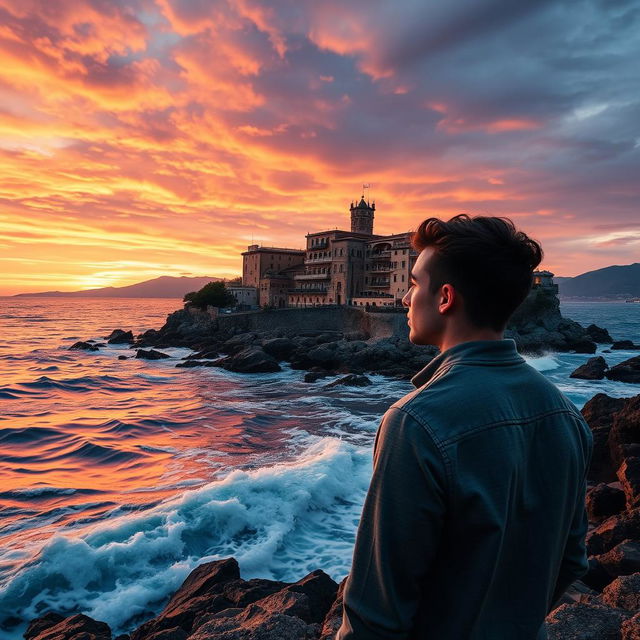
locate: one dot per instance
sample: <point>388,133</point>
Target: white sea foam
<point>279,522</point>
<point>543,363</point>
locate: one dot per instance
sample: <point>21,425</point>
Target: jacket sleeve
<point>574,561</point>
<point>398,534</point>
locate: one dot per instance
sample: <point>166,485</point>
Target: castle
<point>340,267</point>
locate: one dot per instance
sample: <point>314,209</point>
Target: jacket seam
<point>500,423</point>
<point>439,446</point>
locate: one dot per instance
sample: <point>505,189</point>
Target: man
<point>475,520</point>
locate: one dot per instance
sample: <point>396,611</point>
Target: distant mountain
<point>162,287</point>
<point>616,282</point>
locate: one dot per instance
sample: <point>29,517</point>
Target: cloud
<point>176,129</point>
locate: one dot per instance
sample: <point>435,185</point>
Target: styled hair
<point>485,259</point>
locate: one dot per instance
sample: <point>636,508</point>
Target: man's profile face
<point>425,321</point>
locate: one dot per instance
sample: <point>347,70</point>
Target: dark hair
<point>486,260</point>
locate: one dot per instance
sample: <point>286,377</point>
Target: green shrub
<point>214,294</point>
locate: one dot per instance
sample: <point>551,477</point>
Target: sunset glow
<point>161,137</point>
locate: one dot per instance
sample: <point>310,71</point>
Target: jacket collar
<point>479,352</point>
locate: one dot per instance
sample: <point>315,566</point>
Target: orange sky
<point>160,137</point>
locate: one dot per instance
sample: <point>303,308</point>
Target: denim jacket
<point>474,522</point>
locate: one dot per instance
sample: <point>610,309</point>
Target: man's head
<point>470,276</point>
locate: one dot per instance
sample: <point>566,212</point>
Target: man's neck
<point>454,338</point>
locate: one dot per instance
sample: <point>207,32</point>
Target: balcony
<point>383,267</point>
<point>310,290</point>
<point>322,244</point>
<point>312,276</point>
<point>381,254</point>
<point>317,260</point>
<point>379,282</point>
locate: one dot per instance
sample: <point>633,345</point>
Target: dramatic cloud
<point>154,137</point>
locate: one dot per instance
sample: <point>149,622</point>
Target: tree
<point>213,294</point>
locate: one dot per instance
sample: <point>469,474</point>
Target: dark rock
<point>625,345</point>
<point>238,343</point>
<point>118,336</point>
<point>597,577</point>
<point>321,591</point>
<point>251,360</point>
<point>329,336</point>
<point>622,560</point>
<point>624,434</point>
<point>279,348</point>
<point>333,619</point>
<point>169,634</point>
<point>352,380</point>
<point>593,369</point>
<point>623,593</point>
<point>604,501</point>
<point>83,346</point>
<point>325,356</point>
<point>613,531</point>
<point>151,354</point>
<point>598,334</point>
<point>208,353</point>
<point>629,476</point>
<point>313,376</point>
<point>582,621</point>
<point>599,413</point>
<point>123,357</point>
<point>273,618</point>
<point>631,628</point>
<point>37,626</point>
<point>78,627</point>
<point>627,371</point>
<point>122,636</point>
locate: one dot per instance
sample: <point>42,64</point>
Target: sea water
<point>118,477</point>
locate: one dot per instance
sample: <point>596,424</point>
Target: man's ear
<point>447,298</point>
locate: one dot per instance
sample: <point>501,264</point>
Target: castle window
<point>395,277</point>
<point>341,254</point>
<point>404,264</point>
<point>403,277</point>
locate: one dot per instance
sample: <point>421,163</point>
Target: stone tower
<point>362,217</point>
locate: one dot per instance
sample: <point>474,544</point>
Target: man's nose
<point>406,301</point>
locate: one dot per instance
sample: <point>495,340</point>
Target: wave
<point>279,522</point>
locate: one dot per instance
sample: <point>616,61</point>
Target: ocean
<point>118,477</point>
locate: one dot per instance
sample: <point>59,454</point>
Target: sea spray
<point>280,522</point>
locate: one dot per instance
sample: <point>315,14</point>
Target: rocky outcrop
<point>625,345</point>
<point>592,369</point>
<point>352,380</point>
<point>151,354</point>
<point>604,501</point>
<point>627,371</point>
<point>52,626</point>
<point>250,360</point>
<point>83,346</point>
<point>598,334</point>
<point>584,621</point>
<point>118,336</point>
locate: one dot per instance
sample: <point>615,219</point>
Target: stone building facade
<point>337,267</point>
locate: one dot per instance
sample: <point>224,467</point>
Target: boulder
<point>613,531</point>
<point>623,593</point>
<point>77,627</point>
<point>603,502</point>
<point>44,622</point>
<point>629,476</point>
<point>123,357</point>
<point>333,619</point>
<point>83,346</point>
<point>324,355</point>
<point>599,412</point>
<point>118,336</point>
<point>627,371</point>
<point>210,588</point>
<point>624,434</point>
<point>593,369</point>
<point>631,628</point>
<point>151,354</point>
<point>238,343</point>
<point>251,360</point>
<point>625,345</point>
<point>599,335</point>
<point>279,348</point>
<point>584,621</point>
<point>321,591</point>
<point>351,380</point>
<point>313,376</point>
<point>622,560</point>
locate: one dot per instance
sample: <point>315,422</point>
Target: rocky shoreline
<point>230,342</point>
<point>214,603</point>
